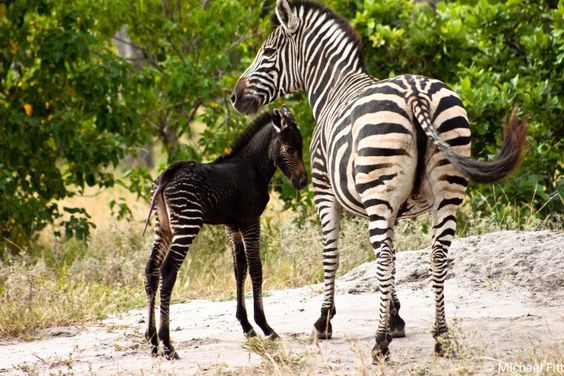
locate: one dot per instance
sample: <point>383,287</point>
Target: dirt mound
<point>501,260</point>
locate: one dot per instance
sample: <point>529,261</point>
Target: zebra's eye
<point>269,51</point>
<point>290,150</point>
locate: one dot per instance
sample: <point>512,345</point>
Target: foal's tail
<point>162,181</point>
<point>507,161</point>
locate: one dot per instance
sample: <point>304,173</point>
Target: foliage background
<point>72,109</point>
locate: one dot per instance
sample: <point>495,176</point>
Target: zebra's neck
<point>331,60</point>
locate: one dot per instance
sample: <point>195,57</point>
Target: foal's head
<point>286,148</point>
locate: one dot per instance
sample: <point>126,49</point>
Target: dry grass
<point>68,282</point>
<point>466,357</point>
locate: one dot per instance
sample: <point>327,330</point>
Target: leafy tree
<point>69,108</point>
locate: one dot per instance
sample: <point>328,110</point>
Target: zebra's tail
<point>162,181</point>
<point>509,156</point>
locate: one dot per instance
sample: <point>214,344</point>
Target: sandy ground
<point>505,304</point>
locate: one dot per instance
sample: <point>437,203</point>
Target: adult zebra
<point>383,149</point>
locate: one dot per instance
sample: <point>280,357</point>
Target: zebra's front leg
<point>444,228</point>
<point>185,230</point>
<point>240,268</point>
<point>381,239</point>
<point>330,215</point>
<point>251,239</point>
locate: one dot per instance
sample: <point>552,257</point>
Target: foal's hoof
<point>251,333</point>
<point>169,353</point>
<point>273,336</point>
<point>154,350</point>
<point>316,334</point>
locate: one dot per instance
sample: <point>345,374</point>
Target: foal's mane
<point>244,138</point>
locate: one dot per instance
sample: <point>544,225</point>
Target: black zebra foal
<point>232,191</point>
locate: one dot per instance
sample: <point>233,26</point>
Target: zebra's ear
<point>277,120</point>
<point>288,19</point>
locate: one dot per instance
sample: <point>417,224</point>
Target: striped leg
<point>444,227</point>
<point>185,227</point>
<point>251,238</point>
<point>240,268</point>
<point>152,275</point>
<point>397,325</point>
<point>381,234</point>
<point>330,215</point>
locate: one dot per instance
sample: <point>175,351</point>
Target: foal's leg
<point>329,212</point>
<point>152,275</point>
<point>240,268</point>
<point>251,238</point>
<point>186,223</point>
<point>160,245</point>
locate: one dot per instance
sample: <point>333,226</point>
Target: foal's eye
<point>290,150</point>
<point>268,51</point>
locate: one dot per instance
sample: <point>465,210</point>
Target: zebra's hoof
<point>251,333</point>
<point>380,353</point>
<point>398,333</point>
<point>154,350</point>
<point>397,326</point>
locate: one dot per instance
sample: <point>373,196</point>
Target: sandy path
<point>505,299</point>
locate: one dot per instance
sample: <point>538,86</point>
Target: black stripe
<point>376,202</point>
<point>453,123</point>
<point>381,152</point>
<point>459,141</point>
<point>445,220</point>
<point>449,201</point>
<point>455,180</point>
<point>446,103</point>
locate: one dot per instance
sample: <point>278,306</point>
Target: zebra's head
<point>286,147</point>
<point>275,70</point>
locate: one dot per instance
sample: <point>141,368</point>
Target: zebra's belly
<point>413,207</point>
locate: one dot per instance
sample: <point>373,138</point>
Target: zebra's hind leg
<point>240,268</point>
<point>444,227</point>
<point>397,325</point>
<point>381,239</point>
<point>330,214</point>
<point>251,239</point>
<point>161,243</point>
<point>185,227</point>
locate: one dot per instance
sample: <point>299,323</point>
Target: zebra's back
<point>375,144</point>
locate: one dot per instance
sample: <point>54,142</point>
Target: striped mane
<point>243,140</point>
<point>344,24</point>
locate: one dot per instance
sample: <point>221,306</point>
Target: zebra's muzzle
<point>244,103</point>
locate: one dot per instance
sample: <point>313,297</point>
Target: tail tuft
<point>514,135</point>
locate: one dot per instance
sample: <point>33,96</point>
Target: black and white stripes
<point>382,149</point>
<point>233,191</point>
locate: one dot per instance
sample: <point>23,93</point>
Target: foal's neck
<point>260,155</point>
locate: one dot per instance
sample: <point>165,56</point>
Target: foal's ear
<point>286,16</point>
<point>277,122</point>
